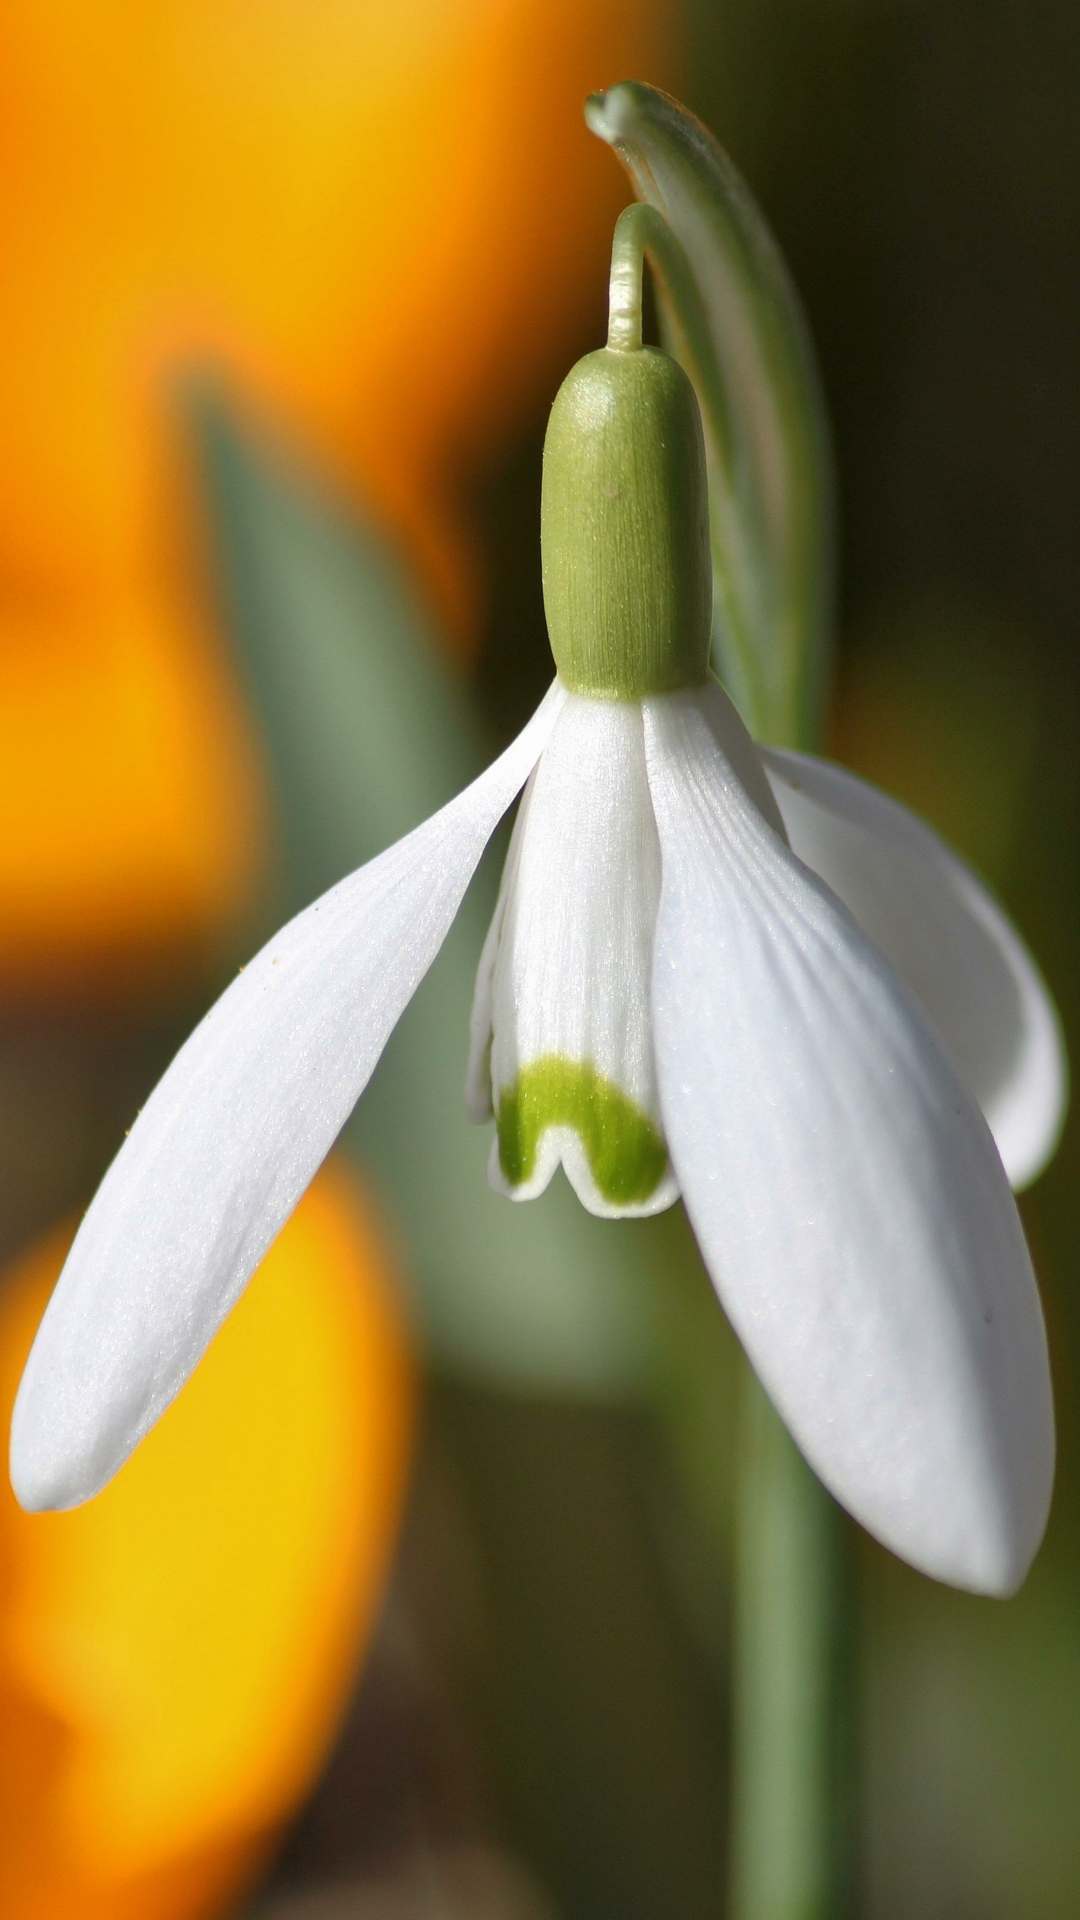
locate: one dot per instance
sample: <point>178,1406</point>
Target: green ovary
<point>626,1152</point>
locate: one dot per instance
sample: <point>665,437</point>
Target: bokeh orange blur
<point>370,218</point>
<point>175,1656</point>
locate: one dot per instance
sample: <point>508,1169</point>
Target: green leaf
<point>743,340</point>
<point>368,731</point>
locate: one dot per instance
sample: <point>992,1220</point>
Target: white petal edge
<point>230,1138</point>
<point>844,1188</point>
<point>948,940</point>
<point>478,1089</point>
<point>561,1147</point>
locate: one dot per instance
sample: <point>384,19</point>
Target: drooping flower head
<point>737,976</point>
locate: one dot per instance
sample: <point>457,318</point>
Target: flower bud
<point>624,527</point>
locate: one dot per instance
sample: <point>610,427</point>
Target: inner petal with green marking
<point>562,1041</point>
<point>626,1152</point>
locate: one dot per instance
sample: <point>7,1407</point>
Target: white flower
<point>740,976</point>
<point>670,1000</point>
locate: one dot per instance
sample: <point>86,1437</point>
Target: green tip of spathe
<point>626,1153</point>
<point>624,528</point>
<point>596,114</point>
<point>608,112</point>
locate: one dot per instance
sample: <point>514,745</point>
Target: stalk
<point>791,1826</point>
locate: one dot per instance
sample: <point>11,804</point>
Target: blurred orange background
<point>375,223</point>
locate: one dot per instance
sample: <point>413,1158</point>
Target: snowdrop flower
<point>737,976</point>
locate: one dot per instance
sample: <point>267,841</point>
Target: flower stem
<point>791,1813</point>
<point>640,233</point>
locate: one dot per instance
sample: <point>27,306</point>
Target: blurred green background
<point>290,296</point>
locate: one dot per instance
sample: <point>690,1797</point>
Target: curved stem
<point>641,232</point>
<point>625,282</point>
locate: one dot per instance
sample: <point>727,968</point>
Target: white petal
<point>567,985</point>
<point>230,1138</point>
<point>478,1087</point>
<point>947,938</point>
<point>845,1190</point>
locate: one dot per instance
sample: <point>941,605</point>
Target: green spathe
<point>624,527</point>
<point>626,1152</point>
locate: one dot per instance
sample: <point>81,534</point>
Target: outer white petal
<point>569,961</point>
<point>845,1190</point>
<point>229,1140</point>
<point>947,938</point>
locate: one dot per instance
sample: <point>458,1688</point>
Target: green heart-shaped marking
<point>626,1151</point>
